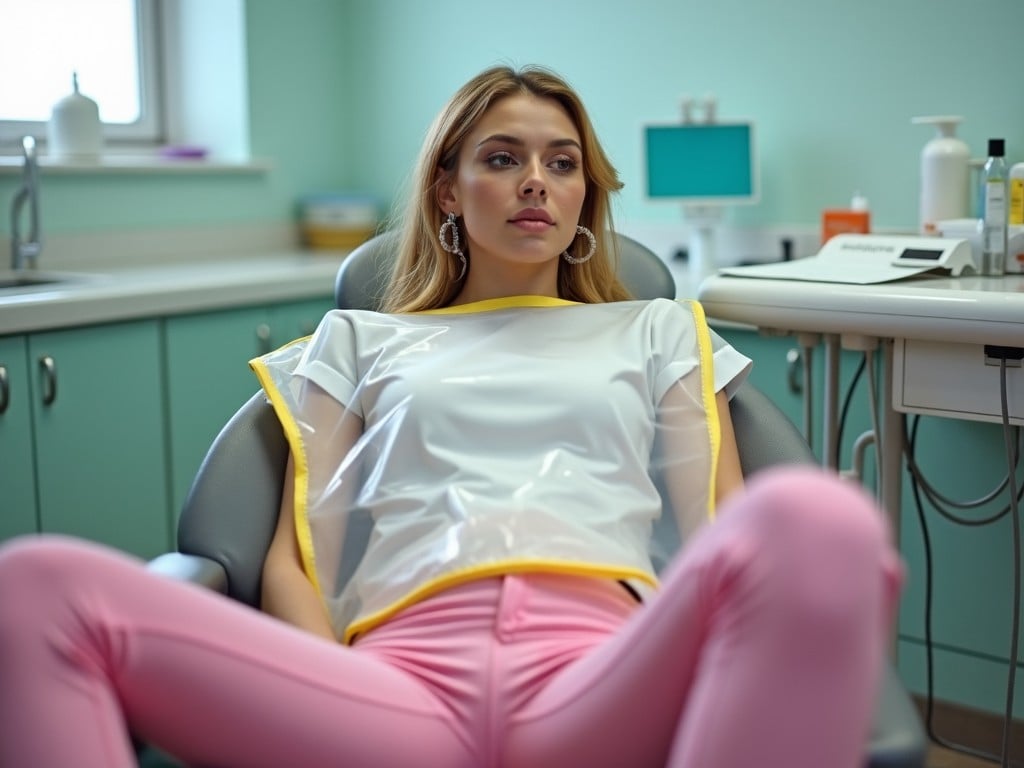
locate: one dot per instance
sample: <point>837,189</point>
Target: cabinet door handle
<point>5,389</point>
<point>48,371</point>
<point>794,379</point>
<point>263,336</point>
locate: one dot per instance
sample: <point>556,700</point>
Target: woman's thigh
<point>767,633</point>
<point>91,640</point>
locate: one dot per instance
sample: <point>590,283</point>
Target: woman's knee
<point>813,507</point>
<point>819,542</point>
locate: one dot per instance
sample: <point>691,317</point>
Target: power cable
<point>1011,440</point>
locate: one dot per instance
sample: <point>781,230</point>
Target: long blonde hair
<point>424,275</point>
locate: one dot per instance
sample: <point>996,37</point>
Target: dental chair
<point>229,515</point>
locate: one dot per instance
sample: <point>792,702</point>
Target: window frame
<point>150,130</point>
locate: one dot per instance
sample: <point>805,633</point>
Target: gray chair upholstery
<point>230,513</point>
<point>364,274</point>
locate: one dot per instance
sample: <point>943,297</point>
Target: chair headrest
<point>363,275</point>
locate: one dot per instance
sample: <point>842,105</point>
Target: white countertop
<point>950,309</point>
<point>151,291</point>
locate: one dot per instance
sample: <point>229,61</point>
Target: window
<point>112,45</point>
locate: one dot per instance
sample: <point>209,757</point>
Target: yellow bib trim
<point>497,568</point>
<point>301,463</point>
<point>504,302</point>
<point>707,388</point>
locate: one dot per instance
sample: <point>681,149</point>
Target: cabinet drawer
<point>944,379</point>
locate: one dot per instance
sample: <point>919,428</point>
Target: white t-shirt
<point>511,435</point>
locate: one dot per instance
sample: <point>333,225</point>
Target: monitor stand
<point>703,221</point>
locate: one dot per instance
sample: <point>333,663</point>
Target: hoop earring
<point>450,226</point>
<point>581,230</point>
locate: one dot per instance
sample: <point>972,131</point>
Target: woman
<point>503,428</point>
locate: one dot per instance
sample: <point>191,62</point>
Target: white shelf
<point>137,164</point>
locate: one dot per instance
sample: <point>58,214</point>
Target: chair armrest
<point>192,568</point>
<point>231,511</point>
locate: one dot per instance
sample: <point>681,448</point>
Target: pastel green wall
<point>341,92</point>
<point>832,85</point>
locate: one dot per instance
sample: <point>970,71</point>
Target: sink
<point>20,280</point>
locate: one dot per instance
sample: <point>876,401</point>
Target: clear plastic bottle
<point>993,181</point>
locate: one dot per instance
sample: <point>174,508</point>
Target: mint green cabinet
<point>98,420</point>
<point>102,428</point>
<point>83,440</point>
<point>208,376</point>
<point>18,512</point>
<point>207,380</point>
<point>295,320</point>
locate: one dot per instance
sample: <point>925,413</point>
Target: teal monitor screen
<point>701,163</point>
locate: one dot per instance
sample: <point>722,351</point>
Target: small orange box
<point>840,221</point>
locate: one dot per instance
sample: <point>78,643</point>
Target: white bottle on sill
<point>74,132</point>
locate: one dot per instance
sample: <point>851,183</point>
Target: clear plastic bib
<point>524,434</point>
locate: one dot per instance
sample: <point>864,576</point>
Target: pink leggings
<point>762,647</point>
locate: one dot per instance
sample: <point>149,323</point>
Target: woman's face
<point>519,186</point>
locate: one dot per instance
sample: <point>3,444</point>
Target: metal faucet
<point>25,252</point>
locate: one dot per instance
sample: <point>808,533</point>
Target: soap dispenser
<point>74,131</point>
<point>945,175</point>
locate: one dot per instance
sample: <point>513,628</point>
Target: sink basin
<point>20,280</point>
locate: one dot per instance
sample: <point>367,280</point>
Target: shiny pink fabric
<point>763,647</point>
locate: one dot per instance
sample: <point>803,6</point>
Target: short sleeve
<point>731,366</point>
<point>676,352</point>
<point>329,360</point>
<point>675,348</point>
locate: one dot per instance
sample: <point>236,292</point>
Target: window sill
<point>137,164</point>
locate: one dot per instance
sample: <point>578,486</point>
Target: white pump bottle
<point>945,175</point>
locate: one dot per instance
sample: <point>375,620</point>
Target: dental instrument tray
<point>867,259</point>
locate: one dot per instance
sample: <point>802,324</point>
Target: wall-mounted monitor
<point>702,163</point>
